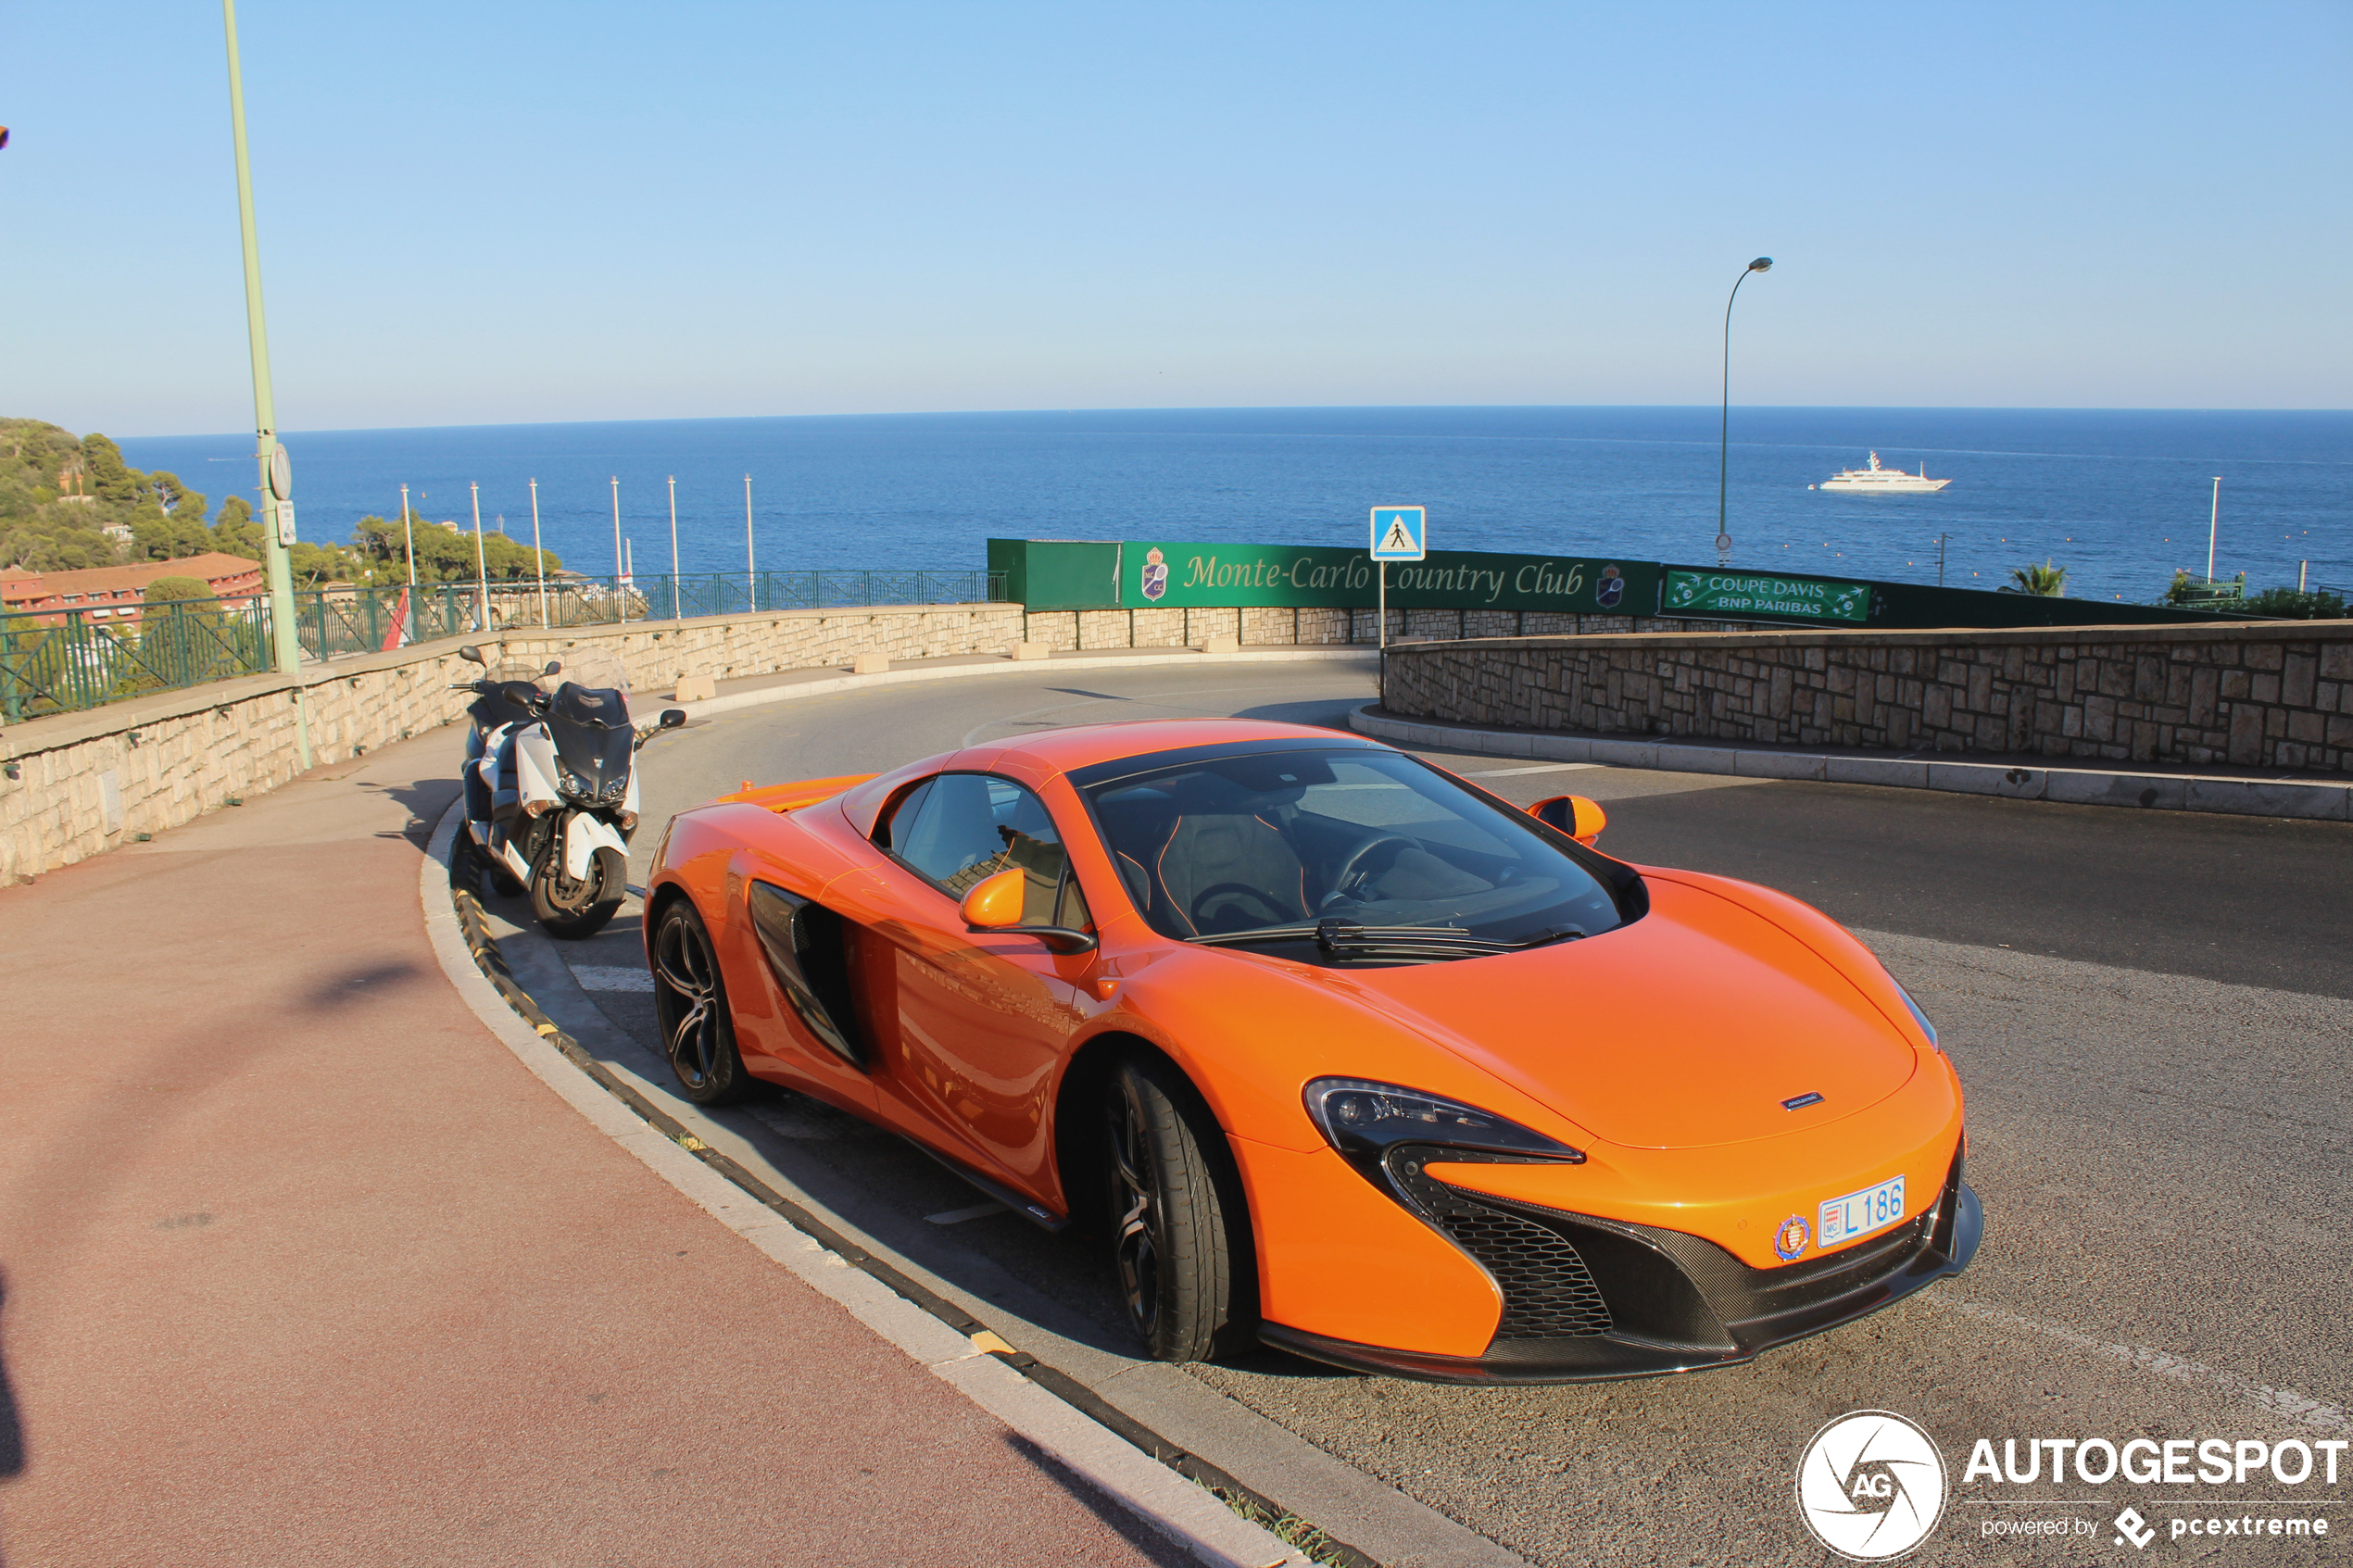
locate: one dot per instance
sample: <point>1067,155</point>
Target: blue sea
<point>2119,497</point>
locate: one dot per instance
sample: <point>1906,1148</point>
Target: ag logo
<point>1870,1486</point>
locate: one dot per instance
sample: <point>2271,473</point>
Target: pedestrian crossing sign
<point>1398,533</point>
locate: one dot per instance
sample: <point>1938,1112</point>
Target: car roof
<point>1088,746</point>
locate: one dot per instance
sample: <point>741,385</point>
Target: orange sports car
<point>1331,1048</point>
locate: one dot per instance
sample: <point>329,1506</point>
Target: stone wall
<point>2270,695</point>
<point>75,785</point>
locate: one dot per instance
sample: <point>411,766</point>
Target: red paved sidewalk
<point>301,1265</point>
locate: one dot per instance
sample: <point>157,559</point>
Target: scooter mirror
<point>555,666</point>
<point>472,655</point>
<point>672,717</point>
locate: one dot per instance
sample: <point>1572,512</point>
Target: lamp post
<point>1724,441</point>
<point>277,486</point>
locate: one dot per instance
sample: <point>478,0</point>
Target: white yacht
<point>1877,481</point>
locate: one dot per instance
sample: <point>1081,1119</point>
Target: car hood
<point>1689,1027</point>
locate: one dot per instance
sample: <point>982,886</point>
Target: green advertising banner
<point>1153,574</point>
<point>1735,595</point>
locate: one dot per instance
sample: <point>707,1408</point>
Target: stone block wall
<point>2269,695</point>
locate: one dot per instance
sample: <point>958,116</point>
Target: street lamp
<point>277,511</point>
<point>1724,442</point>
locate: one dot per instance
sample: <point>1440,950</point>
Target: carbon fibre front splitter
<point>1946,1247</point>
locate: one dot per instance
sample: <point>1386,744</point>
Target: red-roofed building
<point>116,593</point>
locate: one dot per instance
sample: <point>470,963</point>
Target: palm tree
<point>2049,581</point>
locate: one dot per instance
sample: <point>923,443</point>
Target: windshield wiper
<point>1348,939</point>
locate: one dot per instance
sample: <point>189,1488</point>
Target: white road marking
<point>600,977</point>
<point>958,1216</point>
<point>1539,768</point>
<point>2286,1403</point>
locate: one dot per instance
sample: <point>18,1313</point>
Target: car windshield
<point>1356,842</point>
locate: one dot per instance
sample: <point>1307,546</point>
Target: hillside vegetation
<point>60,494</point>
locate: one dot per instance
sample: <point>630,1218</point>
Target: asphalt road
<point>2148,1012</point>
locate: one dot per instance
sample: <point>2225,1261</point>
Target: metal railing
<point>65,659</point>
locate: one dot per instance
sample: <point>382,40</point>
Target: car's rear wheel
<point>690,1000</point>
<point>1181,1240</point>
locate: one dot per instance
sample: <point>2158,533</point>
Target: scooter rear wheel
<point>574,910</point>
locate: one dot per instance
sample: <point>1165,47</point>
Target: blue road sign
<point>1400,533</point>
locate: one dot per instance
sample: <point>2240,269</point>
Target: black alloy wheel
<point>690,1000</point>
<point>1175,1211</point>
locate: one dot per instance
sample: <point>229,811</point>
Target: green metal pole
<point>277,510</point>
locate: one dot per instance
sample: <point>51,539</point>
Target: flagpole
<point>618,570</point>
<point>482,564</point>
<point>751,573</point>
<point>674,549</point>
<point>537,558</point>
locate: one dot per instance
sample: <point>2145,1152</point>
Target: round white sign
<point>1870,1486</point>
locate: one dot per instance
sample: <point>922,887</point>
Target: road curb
<point>952,1345</point>
<point>728,704</point>
<point>2074,786</point>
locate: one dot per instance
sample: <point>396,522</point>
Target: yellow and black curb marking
<point>465,898</point>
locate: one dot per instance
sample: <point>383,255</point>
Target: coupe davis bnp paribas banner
<point>1156,573</point>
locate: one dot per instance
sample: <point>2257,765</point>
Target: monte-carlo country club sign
<point>1154,573</point>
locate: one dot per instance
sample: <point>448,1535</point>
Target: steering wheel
<point>1354,866</point>
<point>1236,897</point>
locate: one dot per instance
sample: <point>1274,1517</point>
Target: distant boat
<point>1877,481</point>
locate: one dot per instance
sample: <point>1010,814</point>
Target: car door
<point>982,1018</point>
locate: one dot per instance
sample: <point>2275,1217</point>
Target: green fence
<point>66,659</point>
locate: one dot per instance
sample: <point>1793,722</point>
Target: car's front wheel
<point>1181,1240</point>
<point>690,1001</point>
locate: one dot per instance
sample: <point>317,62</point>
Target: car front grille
<point>1548,1291</point>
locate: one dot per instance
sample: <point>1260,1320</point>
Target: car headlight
<point>1366,1121</point>
<point>1918,1016</point>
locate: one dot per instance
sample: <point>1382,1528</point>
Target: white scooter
<point>551,795</point>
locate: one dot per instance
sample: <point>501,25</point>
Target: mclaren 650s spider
<point>1330,1049</point>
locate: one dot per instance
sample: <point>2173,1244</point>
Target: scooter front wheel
<point>575,909</point>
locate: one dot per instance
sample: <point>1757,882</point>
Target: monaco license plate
<point>1859,1213</point>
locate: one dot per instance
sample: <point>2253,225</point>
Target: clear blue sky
<point>528,211</point>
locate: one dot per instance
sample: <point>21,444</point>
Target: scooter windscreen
<point>594,739</point>
<point>507,702</point>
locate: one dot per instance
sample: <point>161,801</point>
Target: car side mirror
<point>994,904</point>
<point>672,717</point>
<point>472,655</point>
<point>1581,819</point>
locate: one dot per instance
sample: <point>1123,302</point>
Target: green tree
<point>159,536</point>
<point>443,555</point>
<point>166,590</point>
<point>2296,604</point>
<point>185,638</point>
<point>110,478</point>
<point>2047,580</point>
